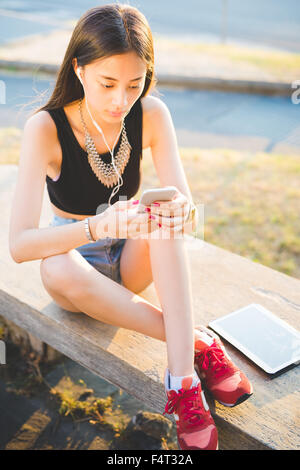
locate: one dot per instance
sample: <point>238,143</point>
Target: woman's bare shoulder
<point>40,132</point>
<point>42,121</point>
<point>150,105</point>
<point>153,108</point>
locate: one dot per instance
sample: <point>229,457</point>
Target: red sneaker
<point>221,377</point>
<point>196,429</point>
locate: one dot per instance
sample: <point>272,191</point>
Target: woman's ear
<point>76,69</point>
<point>74,64</point>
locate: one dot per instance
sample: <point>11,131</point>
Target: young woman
<point>93,259</point>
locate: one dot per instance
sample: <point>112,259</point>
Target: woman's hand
<point>121,220</point>
<point>172,215</point>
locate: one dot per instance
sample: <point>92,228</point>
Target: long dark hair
<point>101,32</point>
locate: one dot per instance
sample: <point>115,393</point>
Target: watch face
<point>193,212</point>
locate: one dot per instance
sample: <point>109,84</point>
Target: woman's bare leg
<point>171,276</point>
<point>69,277</point>
<point>98,296</point>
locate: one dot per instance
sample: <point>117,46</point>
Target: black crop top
<point>78,190</point>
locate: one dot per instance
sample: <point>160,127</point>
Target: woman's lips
<point>116,114</point>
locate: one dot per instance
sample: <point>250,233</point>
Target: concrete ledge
<point>196,83</point>
<point>28,66</point>
<point>221,282</point>
<point>222,84</point>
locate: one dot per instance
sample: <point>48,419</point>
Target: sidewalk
<point>200,66</point>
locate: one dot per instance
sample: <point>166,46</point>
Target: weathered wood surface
<point>221,282</point>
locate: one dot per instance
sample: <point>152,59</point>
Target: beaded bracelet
<point>87,230</point>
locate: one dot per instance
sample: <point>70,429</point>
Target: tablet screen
<point>266,339</point>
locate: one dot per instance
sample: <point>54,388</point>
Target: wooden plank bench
<point>221,282</point>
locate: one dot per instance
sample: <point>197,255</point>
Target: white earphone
<point>79,76</point>
<point>120,179</point>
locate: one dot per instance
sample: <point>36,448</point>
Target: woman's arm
<point>26,240</point>
<point>164,148</point>
<point>166,158</point>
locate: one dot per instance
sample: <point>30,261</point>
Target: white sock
<point>184,381</point>
<point>203,338</point>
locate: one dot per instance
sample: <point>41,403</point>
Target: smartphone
<point>158,194</point>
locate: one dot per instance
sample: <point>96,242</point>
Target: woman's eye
<point>111,86</point>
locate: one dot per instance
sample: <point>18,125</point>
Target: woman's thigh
<point>57,272</point>
<point>60,299</point>
<point>135,265</point>
<point>63,273</point>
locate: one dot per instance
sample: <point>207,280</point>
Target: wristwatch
<point>192,215</point>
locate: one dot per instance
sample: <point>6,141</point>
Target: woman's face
<point>113,85</point>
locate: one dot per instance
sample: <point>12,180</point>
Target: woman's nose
<point>120,100</point>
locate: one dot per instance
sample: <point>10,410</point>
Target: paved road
<point>270,22</point>
<point>204,119</point>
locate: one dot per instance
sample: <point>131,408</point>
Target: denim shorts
<point>104,254</point>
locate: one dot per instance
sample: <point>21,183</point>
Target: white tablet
<point>263,337</point>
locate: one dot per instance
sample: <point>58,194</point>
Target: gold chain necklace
<point>105,172</point>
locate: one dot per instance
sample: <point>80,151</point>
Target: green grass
<point>251,202</point>
<point>251,199</point>
<point>282,65</point>
<point>10,138</point>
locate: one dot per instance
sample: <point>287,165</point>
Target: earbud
<point>79,76</point>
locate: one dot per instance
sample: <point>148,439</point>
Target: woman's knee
<point>56,271</point>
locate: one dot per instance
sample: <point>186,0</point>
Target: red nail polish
<point>136,201</point>
<point>148,209</point>
<point>156,204</point>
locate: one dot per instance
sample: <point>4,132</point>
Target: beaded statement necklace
<point>105,172</point>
